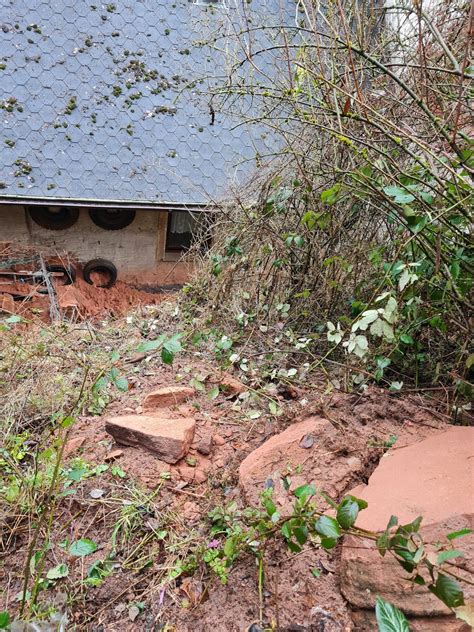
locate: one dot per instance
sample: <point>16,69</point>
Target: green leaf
<point>294,548</point>
<point>390,618</point>
<point>301,534</point>
<point>58,572</point>
<point>173,344</point>
<point>400,195</point>
<point>328,543</point>
<point>304,491</point>
<point>448,590</point>
<point>122,384</point>
<point>329,196</point>
<point>444,556</point>
<point>4,620</point>
<point>167,356</point>
<point>458,534</point>
<point>213,393</point>
<point>82,547</point>
<point>150,345</point>
<point>406,339</point>
<point>327,527</point>
<point>347,513</point>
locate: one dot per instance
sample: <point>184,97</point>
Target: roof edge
<point>19,200</point>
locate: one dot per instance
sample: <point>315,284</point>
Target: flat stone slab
<point>166,397</point>
<point>168,438</point>
<point>433,479</point>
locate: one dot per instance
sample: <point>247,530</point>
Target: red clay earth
<point>353,431</point>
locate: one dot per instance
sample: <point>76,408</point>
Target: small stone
<point>354,463</point>
<point>168,438</point>
<point>231,385</point>
<point>205,445</point>
<point>307,441</point>
<point>218,439</point>
<point>73,445</point>
<point>96,493</point>
<point>165,397</point>
<point>200,476</point>
<point>114,454</point>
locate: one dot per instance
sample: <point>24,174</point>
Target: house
<point>111,146</point>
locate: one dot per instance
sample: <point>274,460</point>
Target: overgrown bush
<point>360,237</point>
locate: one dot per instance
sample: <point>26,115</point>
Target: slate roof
<point>95,103</point>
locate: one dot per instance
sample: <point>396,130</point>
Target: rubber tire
<point>112,219</point>
<point>100,265</point>
<point>69,272</point>
<point>42,216</point>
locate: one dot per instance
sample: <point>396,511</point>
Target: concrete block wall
<point>138,251</point>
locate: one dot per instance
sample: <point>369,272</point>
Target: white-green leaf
<point>366,318</point>
<point>58,572</point>
<point>389,617</point>
<point>82,547</point>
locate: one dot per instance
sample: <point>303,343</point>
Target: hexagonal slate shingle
<point>95,99</point>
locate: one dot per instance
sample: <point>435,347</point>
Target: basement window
<point>183,228</point>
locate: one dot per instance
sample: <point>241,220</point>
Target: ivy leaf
<point>448,590</point>
<point>327,527</point>
<point>82,547</point>
<point>58,572</point>
<point>389,617</point>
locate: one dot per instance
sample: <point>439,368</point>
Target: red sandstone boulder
<point>434,479</point>
<point>165,397</point>
<point>170,439</point>
<point>310,451</point>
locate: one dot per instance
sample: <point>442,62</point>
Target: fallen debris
<point>166,397</point>
<point>169,438</point>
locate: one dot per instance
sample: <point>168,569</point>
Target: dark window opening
<point>184,229</point>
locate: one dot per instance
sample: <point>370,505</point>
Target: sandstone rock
<point>114,454</point>
<point>192,474</point>
<point>205,444</point>
<point>72,445</point>
<point>231,385</point>
<point>166,437</point>
<point>168,396</point>
<point>218,439</point>
<point>283,455</point>
<point>434,479</point>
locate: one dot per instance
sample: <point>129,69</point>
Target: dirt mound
<point>23,291</point>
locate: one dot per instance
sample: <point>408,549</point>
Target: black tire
<point>100,265</point>
<point>54,217</point>
<point>68,272</point>
<point>112,218</point>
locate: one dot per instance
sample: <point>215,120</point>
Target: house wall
<point>138,251</point>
